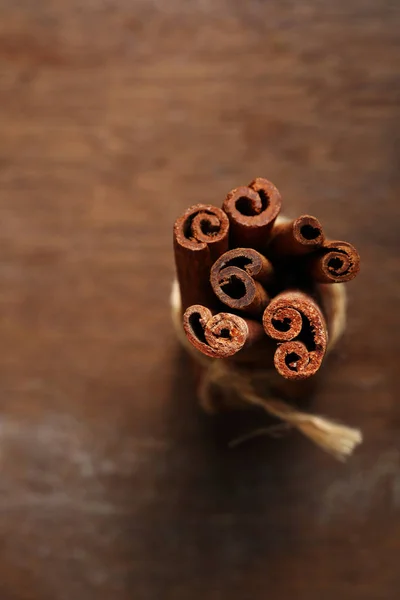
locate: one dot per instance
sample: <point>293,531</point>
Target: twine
<point>337,440</point>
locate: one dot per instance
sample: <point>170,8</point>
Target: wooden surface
<point>115,116</point>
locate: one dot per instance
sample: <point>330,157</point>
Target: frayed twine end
<point>336,439</point>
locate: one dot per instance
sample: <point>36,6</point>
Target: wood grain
<point>113,114</point>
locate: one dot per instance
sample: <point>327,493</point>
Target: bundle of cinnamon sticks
<point>250,281</point>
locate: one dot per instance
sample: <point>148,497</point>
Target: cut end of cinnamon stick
<point>218,336</point>
<point>237,278</point>
<point>252,211</point>
<point>295,320</point>
<point>307,230</point>
<point>202,225</point>
<point>300,236</point>
<point>336,262</point>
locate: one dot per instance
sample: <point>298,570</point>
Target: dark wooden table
<point>115,116</point>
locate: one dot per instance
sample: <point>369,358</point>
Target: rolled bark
<point>238,278</point>
<point>252,211</point>
<point>201,235</point>
<point>221,335</point>
<point>335,262</point>
<point>301,236</point>
<point>296,322</point>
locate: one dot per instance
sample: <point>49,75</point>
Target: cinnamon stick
<point>201,235</point>
<point>221,335</point>
<point>252,211</point>
<point>295,320</point>
<point>335,262</point>
<point>237,279</point>
<point>300,236</point>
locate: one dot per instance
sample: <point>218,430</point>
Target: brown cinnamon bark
<point>238,277</point>
<point>300,236</point>
<point>252,211</point>
<point>295,320</point>
<point>201,235</point>
<point>335,262</point>
<point>221,335</point>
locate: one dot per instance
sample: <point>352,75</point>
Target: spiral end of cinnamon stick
<point>218,336</point>
<point>294,320</point>
<point>252,211</point>
<point>200,226</point>
<point>235,278</point>
<point>291,238</point>
<point>269,195</point>
<point>307,231</point>
<point>337,262</point>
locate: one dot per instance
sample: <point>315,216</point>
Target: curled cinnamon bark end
<point>252,211</point>
<point>300,236</point>
<point>221,335</point>
<point>336,262</point>
<point>237,278</point>
<point>201,226</point>
<point>201,235</point>
<point>294,320</point>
